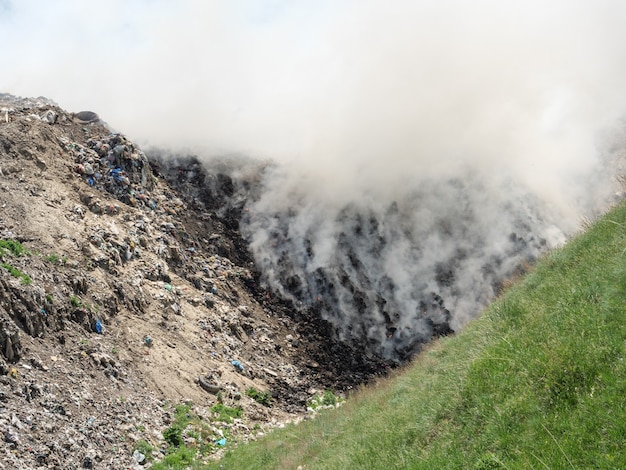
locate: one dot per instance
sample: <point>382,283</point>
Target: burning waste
<point>394,274</point>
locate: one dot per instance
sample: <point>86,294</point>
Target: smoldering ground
<point>422,151</point>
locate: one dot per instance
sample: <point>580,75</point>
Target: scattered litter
<point>139,457</point>
<point>221,442</point>
<point>237,365</point>
<point>98,327</point>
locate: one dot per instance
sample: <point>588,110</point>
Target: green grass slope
<point>538,381</point>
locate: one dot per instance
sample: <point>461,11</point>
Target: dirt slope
<point>135,291</point>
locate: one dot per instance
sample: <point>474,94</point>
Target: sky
<point>343,82</point>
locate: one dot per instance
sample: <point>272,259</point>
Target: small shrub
<point>173,435</point>
<point>75,301</point>
<point>329,398</point>
<point>264,398</point>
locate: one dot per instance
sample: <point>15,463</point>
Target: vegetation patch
<point>264,398</point>
<point>190,439</point>
<point>15,248</point>
<point>226,413</point>
<point>12,246</point>
<point>145,448</point>
<point>56,259</point>
<point>25,278</point>
<point>328,399</point>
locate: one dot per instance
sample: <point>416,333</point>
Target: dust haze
<point>416,153</point>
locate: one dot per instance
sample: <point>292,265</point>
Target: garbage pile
<point>135,291</point>
<point>115,165</point>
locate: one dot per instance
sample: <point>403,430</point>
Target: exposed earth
<point>127,289</point>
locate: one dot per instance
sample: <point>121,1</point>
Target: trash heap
<point>135,293</point>
<point>115,165</point>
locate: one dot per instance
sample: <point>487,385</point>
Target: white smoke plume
<point>421,150</point>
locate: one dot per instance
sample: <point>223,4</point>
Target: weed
<point>178,459</point>
<point>264,398</point>
<point>25,278</point>
<point>226,413</point>
<point>12,246</point>
<point>49,298</point>
<point>54,259</point>
<point>75,301</point>
<point>327,399</point>
<point>145,448</point>
<point>173,435</point>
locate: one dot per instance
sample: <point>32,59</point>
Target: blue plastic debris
<point>90,181</point>
<point>237,365</point>
<point>117,174</point>
<point>98,327</point>
<point>221,442</point>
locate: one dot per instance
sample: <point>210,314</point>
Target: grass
<point>145,448</point>
<point>14,248</point>
<point>56,259</point>
<point>538,381</point>
<point>226,413</point>
<point>25,278</point>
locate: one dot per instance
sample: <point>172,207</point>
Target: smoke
<point>421,150</point>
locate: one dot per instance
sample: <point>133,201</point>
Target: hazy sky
<point>384,90</point>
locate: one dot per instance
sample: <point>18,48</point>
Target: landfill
<point>126,291</point>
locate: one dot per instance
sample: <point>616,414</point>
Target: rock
<point>10,343</point>
<point>11,437</point>
<point>139,457</point>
